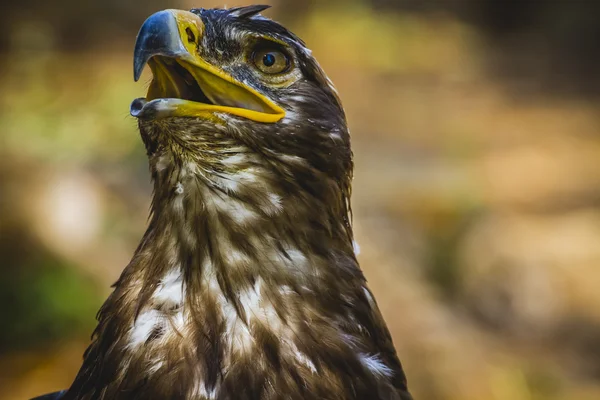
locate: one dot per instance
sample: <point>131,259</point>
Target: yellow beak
<point>184,85</point>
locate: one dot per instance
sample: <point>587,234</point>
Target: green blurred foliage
<point>48,302</point>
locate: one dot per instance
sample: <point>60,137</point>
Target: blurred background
<point>476,134</point>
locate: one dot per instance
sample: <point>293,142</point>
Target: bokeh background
<point>476,135</point>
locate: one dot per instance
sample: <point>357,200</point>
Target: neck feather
<point>243,273</point>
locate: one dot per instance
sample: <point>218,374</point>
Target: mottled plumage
<point>246,285</point>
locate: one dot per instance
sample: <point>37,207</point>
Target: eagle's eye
<point>271,61</point>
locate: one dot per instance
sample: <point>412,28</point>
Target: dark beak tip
<point>137,71</point>
<point>159,35</point>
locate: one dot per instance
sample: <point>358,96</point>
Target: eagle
<point>246,283</point>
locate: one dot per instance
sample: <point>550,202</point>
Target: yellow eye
<point>271,61</point>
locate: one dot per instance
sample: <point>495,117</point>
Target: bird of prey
<point>246,283</point>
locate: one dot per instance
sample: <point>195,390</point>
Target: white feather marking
<point>234,257</point>
<point>298,98</point>
<point>238,334</point>
<point>233,182</point>
<point>246,176</point>
<point>189,168</point>
<point>179,188</point>
<point>297,257</point>
<point>230,185</point>
<point>356,247</point>
<point>369,297</point>
<point>177,204</point>
<point>171,287</point>
<point>293,257</point>
<point>255,307</point>
<point>290,116</point>
<point>334,134</point>
<point>250,300</point>
<point>237,210</point>
<point>285,290</point>
<point>375,365</point>
<point>209,278</point>
<point>156,365</point>
<point>143,327</point>
<point>234,160</point>
<point>274,207</point>
<point>201,391</point>
<point>178,321</point>
<point>292,159</point>
<point>162,163</point>
<point>302,358</point>
<point>332,86</point>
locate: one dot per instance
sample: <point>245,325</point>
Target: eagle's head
<point>242,99</point>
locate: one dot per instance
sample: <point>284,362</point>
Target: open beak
<point>183,84</point>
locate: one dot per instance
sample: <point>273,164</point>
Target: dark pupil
<point>269,59</point>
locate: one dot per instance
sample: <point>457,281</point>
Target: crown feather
<point>248,11</point>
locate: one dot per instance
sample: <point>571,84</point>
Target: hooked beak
<point>183,84</point>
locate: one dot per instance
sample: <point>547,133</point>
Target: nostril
<point>190,35</point>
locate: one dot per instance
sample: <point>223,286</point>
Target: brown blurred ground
<point>476,196</point>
